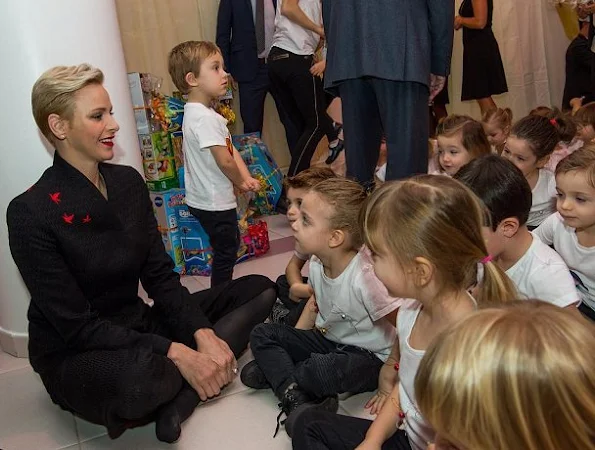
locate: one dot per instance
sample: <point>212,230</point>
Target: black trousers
<point>319,366</point>
<point>295,308</point>
<point>252,97</point>
<point>222,229</point>
<point>372,106</point>
<point>114,387</point>
<point>321,430</point>
<point>302,96</point>
<point>587,311</point>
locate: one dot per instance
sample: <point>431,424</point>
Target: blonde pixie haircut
<point>440,219</point>
<point>54,93</point>
<point>186,58</point>
<point>520,377</point>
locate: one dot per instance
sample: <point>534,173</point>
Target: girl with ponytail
<point>425,235</point>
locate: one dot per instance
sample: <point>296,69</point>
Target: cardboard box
<point>141,101</point>
<point>166,207</point>
<point>158,161</point>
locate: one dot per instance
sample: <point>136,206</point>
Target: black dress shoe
<point>334,152</point>
<point>253,376</point>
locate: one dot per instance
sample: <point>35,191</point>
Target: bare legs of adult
<point>485,104</point>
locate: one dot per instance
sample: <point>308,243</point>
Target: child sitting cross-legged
<point>342,339</point>
<point>536,269</point>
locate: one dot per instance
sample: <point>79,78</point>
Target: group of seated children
<point>441,248</point>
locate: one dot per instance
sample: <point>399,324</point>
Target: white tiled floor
<point>239,418</point>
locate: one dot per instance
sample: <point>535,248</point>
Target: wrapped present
<point>263,167</point>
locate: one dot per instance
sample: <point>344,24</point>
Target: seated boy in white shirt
<point>342,338</point>
<point>572,229</point>
<point>293,290</point>
<point>212,165</point>
<point>537,270</point>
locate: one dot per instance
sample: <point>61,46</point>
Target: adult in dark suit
<point>578,68</point>
<point>82,237</point>
<point>386,59</point>
<point>239,41</point>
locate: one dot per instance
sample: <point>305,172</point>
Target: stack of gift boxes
<point>159,126</point>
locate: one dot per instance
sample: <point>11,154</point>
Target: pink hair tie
<point>487,259</point>
<point>554,122</point>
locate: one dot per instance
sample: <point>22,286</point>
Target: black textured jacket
<point>81,257</point>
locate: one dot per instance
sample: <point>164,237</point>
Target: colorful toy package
<point>158,161</point>
<point>166,207</point>
<point>263,167</point>
<point>188,244</point>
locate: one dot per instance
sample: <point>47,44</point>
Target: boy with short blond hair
<point>212,165</point>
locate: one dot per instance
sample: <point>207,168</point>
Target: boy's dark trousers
<point>319,366</point>
<point>222,229</point>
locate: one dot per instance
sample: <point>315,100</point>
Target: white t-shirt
<point>207,187</point>
<point>580,260</point>
<point>418,430</point>
<point>294,38</point>
<point>541,273</point>
<point>350,306</point>
<point>544,198</point>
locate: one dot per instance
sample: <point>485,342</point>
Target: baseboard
<point>15,344</point>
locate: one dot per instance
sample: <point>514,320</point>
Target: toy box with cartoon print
<point>196,247</point>
<point>166,207</point>
<point>158,161</point>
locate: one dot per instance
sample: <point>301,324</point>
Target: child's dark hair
<point>473,136</point>
<point>501,186</point>
<point>582,160</point>
<point>541,135</point>
<point>586,115</point>
<point>308,178</point>
<point>564,123</point>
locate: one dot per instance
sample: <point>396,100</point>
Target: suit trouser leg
<point>362,128</point>
<point>252,97</point>
<point>403,109</point>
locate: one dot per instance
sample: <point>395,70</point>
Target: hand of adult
<point>208,343</point>
<point>436,85</point>
<point>198,369</point>
<point>367,445</point>
<point>320,32</point>
<point>458,23</point>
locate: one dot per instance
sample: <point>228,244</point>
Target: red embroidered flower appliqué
<point>87,219</point>
<point>55,197</point>
<point>68,218</point>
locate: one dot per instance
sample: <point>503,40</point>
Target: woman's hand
<point>318,69</point>
<point>386,382</point>
<point>208,343</point>
<point>458,23</point>
<point>198,369</point>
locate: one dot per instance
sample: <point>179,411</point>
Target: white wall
<point>35,36</point>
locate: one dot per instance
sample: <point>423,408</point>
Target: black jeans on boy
<point>320,367</point>
<point>321,430</point>
<point>222,229</point>
<point>303,99</point>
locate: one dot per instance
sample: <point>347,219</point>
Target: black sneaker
<point>253,376</point>
<point>295,402</point>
